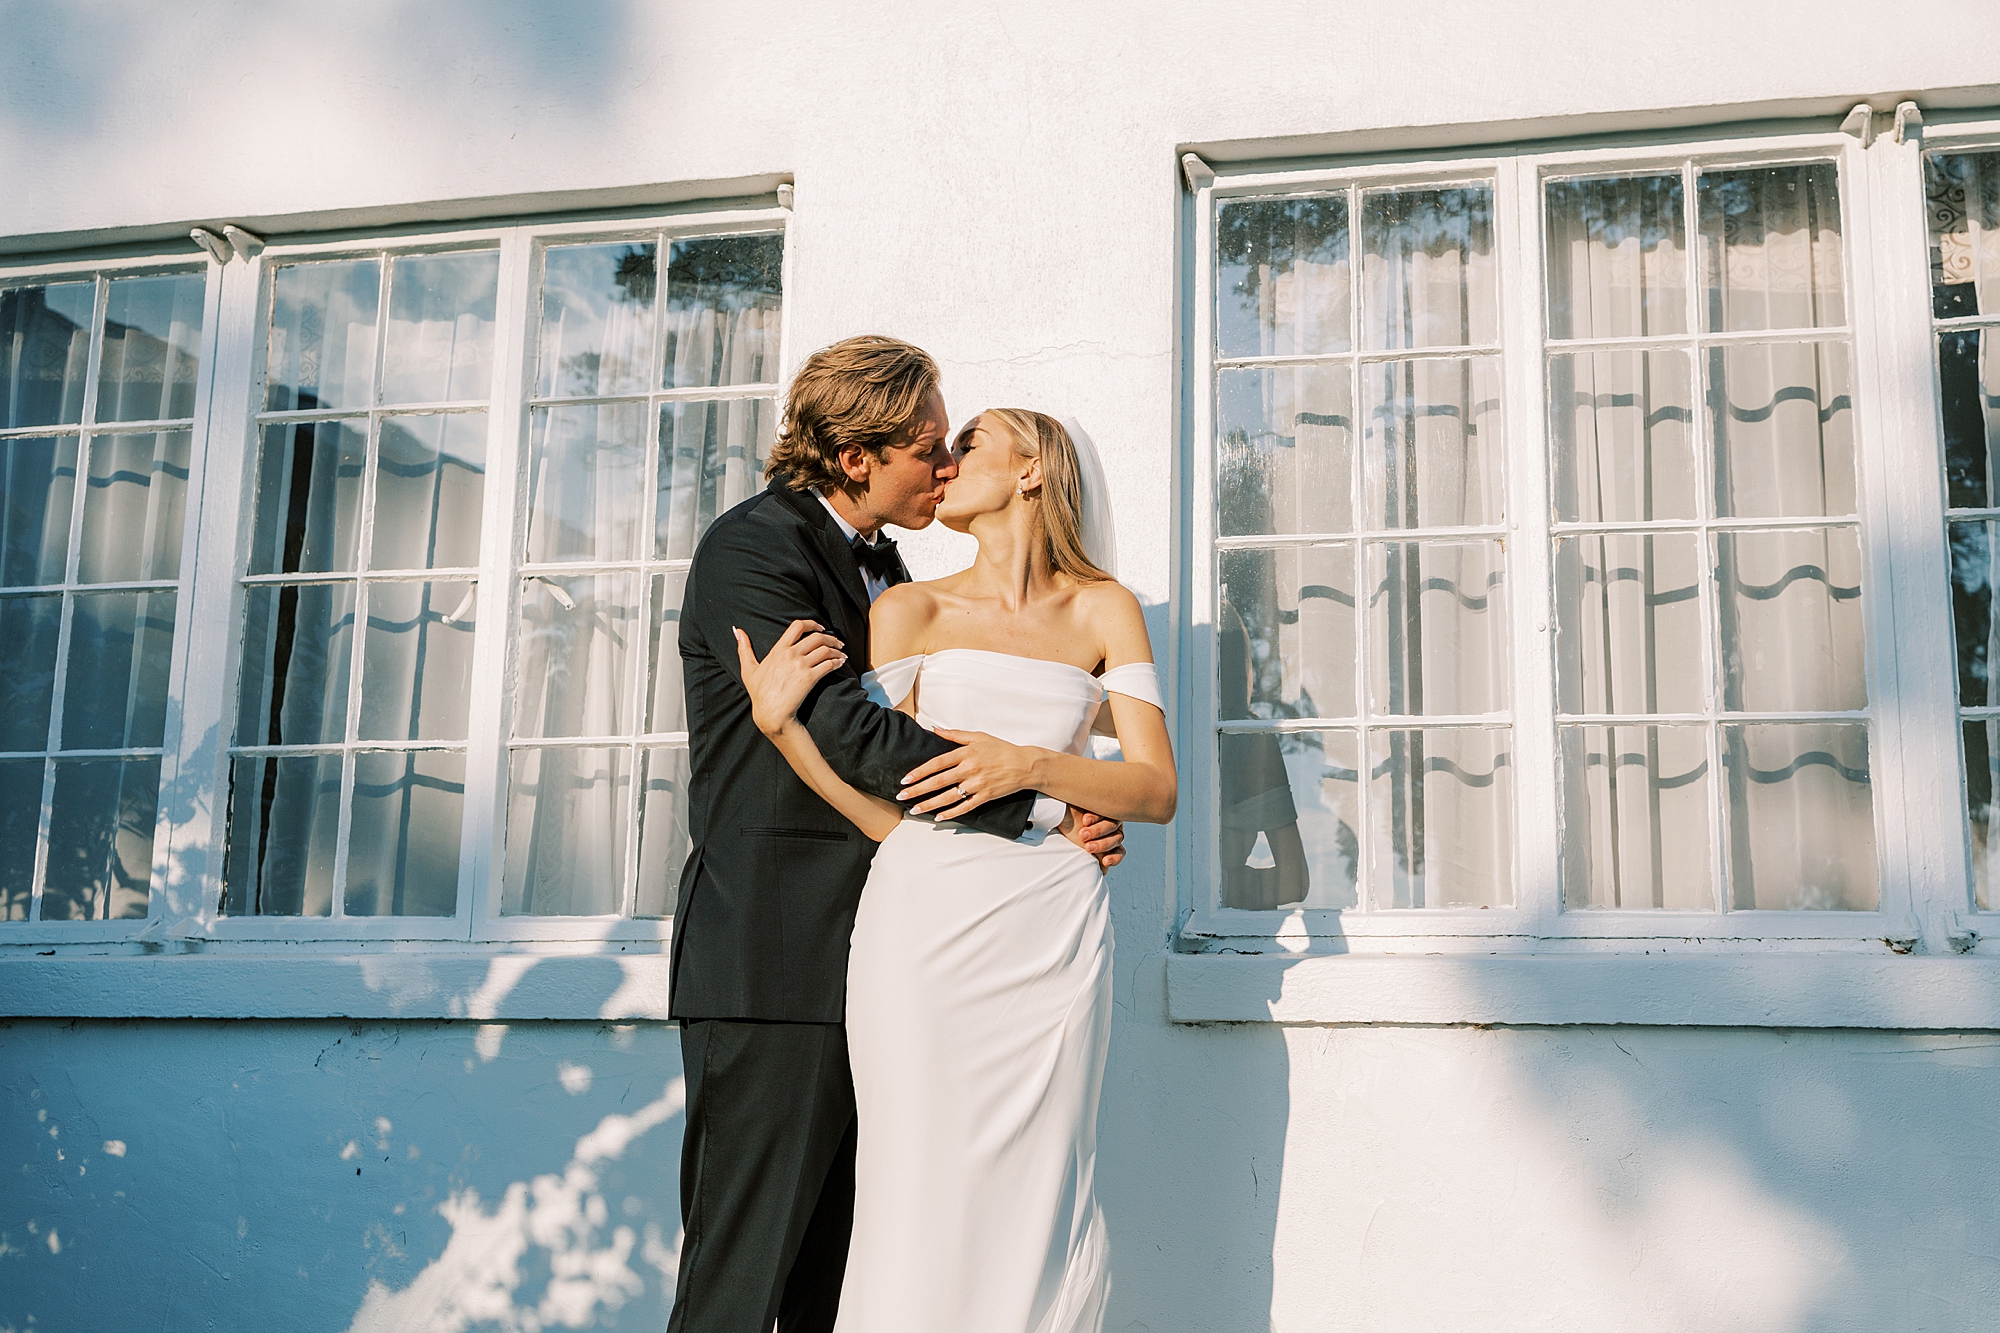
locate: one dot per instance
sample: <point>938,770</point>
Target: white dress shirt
<point>1047,811</point>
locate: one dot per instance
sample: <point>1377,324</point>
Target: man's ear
<point>854,461</point>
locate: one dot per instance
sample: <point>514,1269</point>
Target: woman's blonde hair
<point>1038,435</point>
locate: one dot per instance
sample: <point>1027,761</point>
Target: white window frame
<point>184,908</point>
<point>1923,875</point>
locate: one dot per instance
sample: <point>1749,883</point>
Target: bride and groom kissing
<point>892,954</point>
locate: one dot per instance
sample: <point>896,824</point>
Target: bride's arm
<point>1143,788</point>
<point>777,686</point>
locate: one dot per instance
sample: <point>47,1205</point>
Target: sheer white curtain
<point>1645,627</point>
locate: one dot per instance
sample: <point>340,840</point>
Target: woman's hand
<point>984,768</point>
<point>780,683</point>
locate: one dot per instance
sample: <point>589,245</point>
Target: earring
<point>1021,491</point>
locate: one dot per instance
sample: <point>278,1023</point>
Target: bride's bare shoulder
<point>1114,614</point>
<point>899,622</point>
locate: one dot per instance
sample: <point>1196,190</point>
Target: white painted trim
<point>597,984</point>
<point>1656,989</point>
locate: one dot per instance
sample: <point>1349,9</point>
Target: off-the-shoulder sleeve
<point>891,683</point>
<point>1136,680</point>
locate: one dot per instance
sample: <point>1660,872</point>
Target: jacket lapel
<point>839,560</point>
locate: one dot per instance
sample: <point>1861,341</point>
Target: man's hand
<point>1102,838</point>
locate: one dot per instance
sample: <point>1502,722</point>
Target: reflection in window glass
<point>84,667</point>
<point>1282,280</point>
<point>722,310</point>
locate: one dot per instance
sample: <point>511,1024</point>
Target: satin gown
<point>978,1014</point>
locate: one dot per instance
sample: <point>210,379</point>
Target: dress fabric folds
<point>978,1015</point>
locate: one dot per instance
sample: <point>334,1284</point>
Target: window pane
<point>587,483</point>
<point>1962,199</point>
<point>1432,443</point>
<point>1285,450</point>
<point>1628,623</point>
<point>722,310</point>
<point>1290,808</point>
<point>101,840</point>
<point>1792,630</point>
<point>115,691</point>
<point>1969,403</point>
<point>566,821</point>
<point>1428,273</point>
<point>1437,628</point>
<point>133,508</point>
<point>297,654</point>
<point>1283,283</point>
<point>322,352</point>
<point>1441,817</point>
<point>29,629</point>
<point>576,654</point>
<point>1770,247</point>
<point>430,476</point>
<point>20,825</point>
<point>1801,816</point>
<point>309,498</point>
<point>1285,633</point>
<point>416,680</point>
<point>402,850</point>
<point>39,477</point>
<point>667,706</point>
<point>440,339</point>
<point>1783,426</point>
<point>597,319</point>
<point>1644,839</point>
<point>663,832</point>
<point>1982,761</point>
<point>1617,257</point>
<point>44,352</point>
<point>284,826</point>
<point>1621,427</point>
<point>711,459</point>
<point>152,348</point>
<point>1973,552</point>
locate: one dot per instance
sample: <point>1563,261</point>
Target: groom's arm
<point>758,586</point>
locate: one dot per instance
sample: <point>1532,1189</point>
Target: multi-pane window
<point>1360,558</point>
<point>1962,198</point>
<point>99,378</point>
<point>347,782</point>
<point>379,770</point>
<point>652,410</point>
<point>1711,676</point>
<point>1539,585</point>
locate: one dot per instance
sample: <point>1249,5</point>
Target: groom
<point>768,896</point>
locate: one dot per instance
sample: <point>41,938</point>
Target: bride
<point>979,982</point>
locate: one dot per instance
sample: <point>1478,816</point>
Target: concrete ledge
<point>1768,990</point>
<point>273,984</point>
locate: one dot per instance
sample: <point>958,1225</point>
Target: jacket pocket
<point>803,834</point>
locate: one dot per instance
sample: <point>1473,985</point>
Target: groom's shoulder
<point>761,524</point>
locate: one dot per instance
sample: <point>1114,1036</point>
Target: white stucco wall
<point>997,182</point>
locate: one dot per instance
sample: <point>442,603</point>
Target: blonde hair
<point>1038,435</point>
<point>864,391</point>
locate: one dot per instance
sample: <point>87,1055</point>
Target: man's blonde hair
<point>864,391</point>
<point>1039,435</point>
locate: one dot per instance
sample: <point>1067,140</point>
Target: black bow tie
<point>879,559</point>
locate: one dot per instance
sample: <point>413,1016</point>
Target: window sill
<point>1739,989</point>
<point>295,982</point>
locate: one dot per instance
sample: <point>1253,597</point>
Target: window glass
<point>1707,561</point>
<point>1360,582</point>
<point>92,527</point>
<point>347,787</point>
<point>1962,201</point>
<point>623,478</point>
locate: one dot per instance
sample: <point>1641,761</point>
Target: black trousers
<point>767,1176</point>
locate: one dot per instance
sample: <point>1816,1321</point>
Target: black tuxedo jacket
<point>768,895</point>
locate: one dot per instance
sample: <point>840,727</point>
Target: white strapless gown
<point>978,1014</point>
